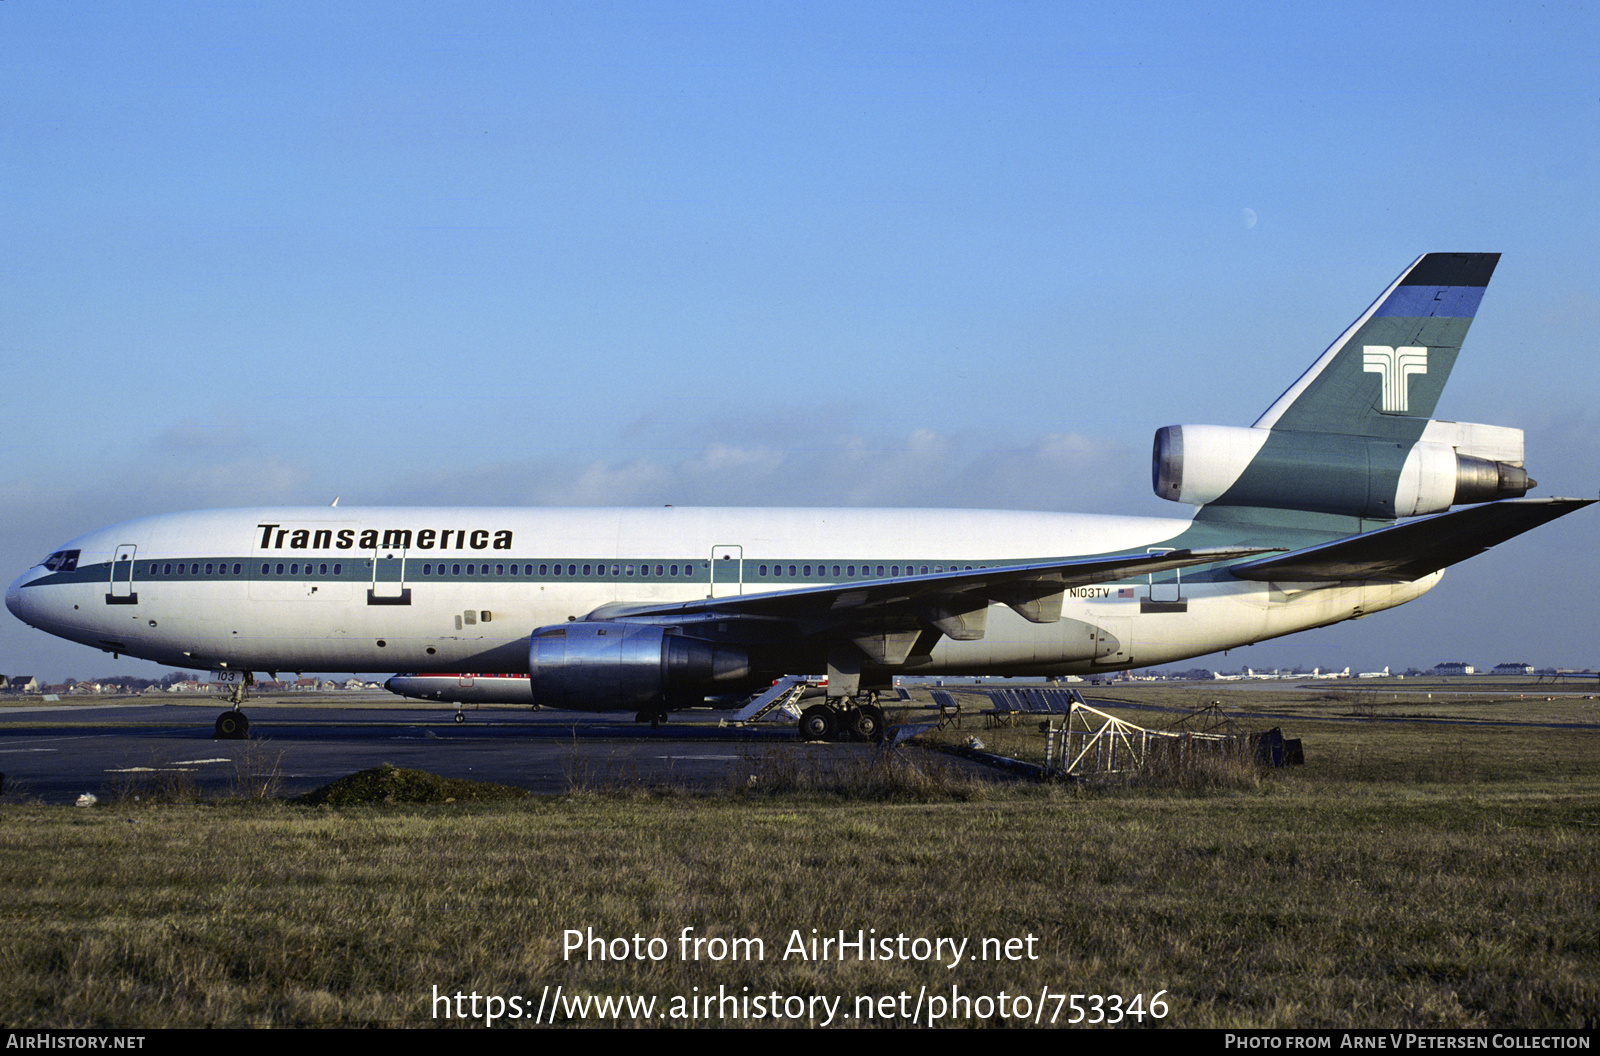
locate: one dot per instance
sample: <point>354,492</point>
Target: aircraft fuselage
<point>330,589</point>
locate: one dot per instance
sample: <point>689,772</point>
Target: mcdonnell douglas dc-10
<point>1316,513</point>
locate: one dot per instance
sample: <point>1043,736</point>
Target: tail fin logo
<point>1394,367</point>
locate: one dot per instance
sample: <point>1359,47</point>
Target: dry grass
<point>1375,887</point>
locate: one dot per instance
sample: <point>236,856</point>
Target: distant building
<point>1452,667</point>
<point>1512,669</point>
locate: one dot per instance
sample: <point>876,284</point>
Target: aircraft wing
<point>1411,549</point>
<point>1034,590</point>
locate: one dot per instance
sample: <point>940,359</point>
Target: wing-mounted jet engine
<point>604,666</point>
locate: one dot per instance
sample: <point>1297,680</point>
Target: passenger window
<point>486,615</point>
<point>471,618</point>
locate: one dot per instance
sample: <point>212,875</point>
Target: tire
<point>232,726</point>
<point>817,723</point>
<point>868,723</point>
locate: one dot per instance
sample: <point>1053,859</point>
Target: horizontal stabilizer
<point>1412,549</point>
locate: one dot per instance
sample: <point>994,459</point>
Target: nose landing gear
<point>233,725</point>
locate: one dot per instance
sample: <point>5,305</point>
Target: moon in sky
<point>1249,216</point>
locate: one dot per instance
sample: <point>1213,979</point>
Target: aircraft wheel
<point>817,723</point>
<point>868,723</point>
<point>460,717</point>
<point>232,726</point>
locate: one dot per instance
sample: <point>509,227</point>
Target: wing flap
<point>1411,549</point>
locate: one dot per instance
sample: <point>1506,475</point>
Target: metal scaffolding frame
<point>1092,743</point>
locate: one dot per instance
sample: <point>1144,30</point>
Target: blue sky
<point>902,255</point>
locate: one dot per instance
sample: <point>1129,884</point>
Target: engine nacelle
<point>627,667</point>
<point>1360,476</point>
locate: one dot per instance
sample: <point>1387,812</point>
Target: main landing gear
<point>233,725</point>
<point>859,719</point>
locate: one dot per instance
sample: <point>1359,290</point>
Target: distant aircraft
<point>1317,672</point>
<point>1302,521</point>
<point>1375,674</point>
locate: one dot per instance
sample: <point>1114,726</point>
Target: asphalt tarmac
<point>56,754</point>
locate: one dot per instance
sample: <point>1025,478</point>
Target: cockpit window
<point>62,561</point>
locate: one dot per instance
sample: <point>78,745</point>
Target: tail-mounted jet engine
<point>616,666</point>
<point>1354,475</point>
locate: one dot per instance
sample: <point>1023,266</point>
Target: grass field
<point>1412,874</point>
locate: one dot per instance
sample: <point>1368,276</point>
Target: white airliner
<point>1301,522</point>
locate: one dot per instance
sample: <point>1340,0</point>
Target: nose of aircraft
<point>14,600</point>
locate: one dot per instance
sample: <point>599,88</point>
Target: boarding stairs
<point>784,693</point>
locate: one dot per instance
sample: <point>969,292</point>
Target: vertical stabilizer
<point>1383,376</point>
<point>1354,435</point>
